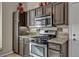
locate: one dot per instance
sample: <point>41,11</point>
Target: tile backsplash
<point>62,28</point>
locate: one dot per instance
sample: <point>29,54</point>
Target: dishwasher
<point>24,46</point>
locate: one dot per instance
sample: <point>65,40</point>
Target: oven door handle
<point>41,45</point>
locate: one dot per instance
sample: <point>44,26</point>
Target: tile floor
<point>13,55</point>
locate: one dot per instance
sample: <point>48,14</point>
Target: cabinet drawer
<point>26,50</point>
<point>54,46</point>
<point>53,53</point>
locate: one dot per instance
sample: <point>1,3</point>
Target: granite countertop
<point>29,35</point>
<point>61,39</point>
<point>58,40</point>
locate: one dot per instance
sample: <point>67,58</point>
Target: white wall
<point>7,10</point>
<point>0,25</point>
<point>74,29</point>
<point>32,5</point>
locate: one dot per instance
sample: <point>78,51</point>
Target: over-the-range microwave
<point>44,21</point>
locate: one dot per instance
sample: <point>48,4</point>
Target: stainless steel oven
<point>38,44</point>
<point>44,21</point>
<point>38,50</point>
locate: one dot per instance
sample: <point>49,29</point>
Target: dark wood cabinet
<point>39,11</point>
<point>32,18</point>
<point>28,17</point>
<point>57,49</point>
<point>24,46</point>
<point>23,19</point>
<point>58,13</point>
<point>66,13</point>
<point>45,10</point>
<point>48,9</point>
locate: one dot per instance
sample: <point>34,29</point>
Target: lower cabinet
<point>26,50</point>
<point>21,46</point>
<point>24,47</point>
<point>53,53</point>
<point>57,50</point>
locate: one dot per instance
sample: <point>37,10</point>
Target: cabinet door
<point>58,13</point>
<point>39,11</point>
<point>26,50</point>
<point>28,17</point>
<point>66,13</point>
<point>32,18</point>
<point>48,9</point>
<point>21,46</point>
<point>54,46</point>
<point>53,53</point>
<point>23,19</point>
<point>26,47</point>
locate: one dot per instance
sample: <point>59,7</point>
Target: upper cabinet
<point>59,16</point>
<point>58,11</point>
<point>32,17</point>
<point>48,9</point>
<point>23,19</point>
<point>39,11</point>
<point>45,10</point>
<point>66,13</point>
<point>28,17</point>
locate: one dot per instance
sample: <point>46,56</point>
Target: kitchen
<point>42,31</point>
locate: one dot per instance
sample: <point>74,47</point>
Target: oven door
<point>38,50</point>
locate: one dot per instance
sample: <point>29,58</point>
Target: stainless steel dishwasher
<point>24,46</point>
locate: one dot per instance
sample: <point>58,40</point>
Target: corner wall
<point>7,10</point>
<point>0,25</point>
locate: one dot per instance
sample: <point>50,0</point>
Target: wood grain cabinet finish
<point>58,11</point>
<point>48,9</point>
<point>39,11</point>
<point>53,53</point>
<point>21,47</point>
<point>23,19</point>
<point>59,16</point>
<point>32,18</point>
<point>57,50</point>
<point>66,13</point>
<point>54,46</point>
<point>28,18</point>
<point>24,47</point>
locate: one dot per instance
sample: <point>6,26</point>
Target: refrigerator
<point>19,19</point>
<point>15,32</point>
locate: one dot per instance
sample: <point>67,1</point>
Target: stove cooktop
<point>41,39</point>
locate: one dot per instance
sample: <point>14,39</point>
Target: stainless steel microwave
<point>44,21</point>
